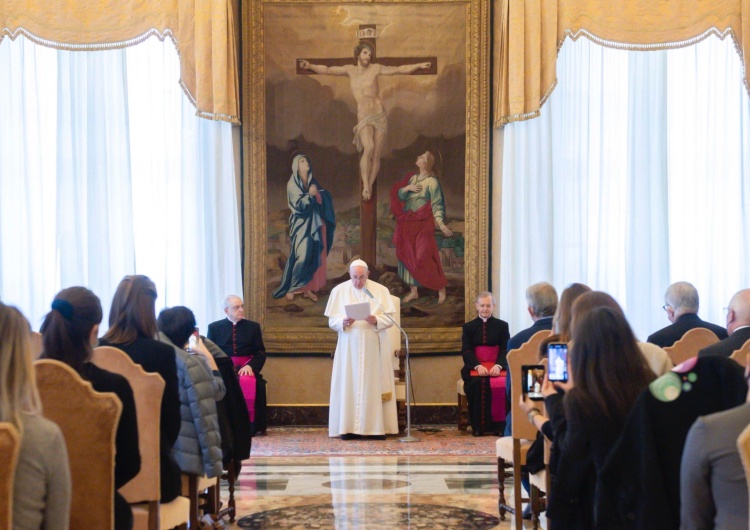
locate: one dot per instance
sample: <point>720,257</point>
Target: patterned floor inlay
<point>370,516</point>
<point>357,484</point>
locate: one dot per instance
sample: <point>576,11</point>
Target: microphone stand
<point>408,437</point>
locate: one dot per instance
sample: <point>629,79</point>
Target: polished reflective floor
<point>370,492</point>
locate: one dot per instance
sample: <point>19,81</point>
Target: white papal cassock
<point>363,392</point>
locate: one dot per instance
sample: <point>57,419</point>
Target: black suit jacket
<point>667,336</point>
<point>726,347</point>
<point>476,333</point>
<point>249,340</point>
<point>523,336</point>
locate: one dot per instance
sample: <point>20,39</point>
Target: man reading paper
<point>363,401</point>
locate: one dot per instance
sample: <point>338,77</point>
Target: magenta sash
<point>488,355</point>
<point>247,384</point>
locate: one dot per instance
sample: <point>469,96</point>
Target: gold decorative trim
<point>477,215</point>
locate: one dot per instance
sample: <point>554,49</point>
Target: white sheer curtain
<point>634,176</point>
<point>105,171</point>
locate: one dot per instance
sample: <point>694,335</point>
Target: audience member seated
<point>681,304</point>
<point>68,333</point>
<point>713,488</point>
<point>198,447</point>
<point>41,487</point>
<point>656,357</point>
<point>484,340</point>
<point>541,300</point>
<point>738,327</point>
<point>561,327</point>
<point>241,339</point>
<point>639,487</point>
<point>132,328</point>
<point>587,419</point>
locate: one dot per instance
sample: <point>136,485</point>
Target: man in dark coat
<point>738,327</point>
<point>681,304</point>
<point>242,340</point>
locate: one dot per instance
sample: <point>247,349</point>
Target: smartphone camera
<point>557,355</point>
<point>532,377</point>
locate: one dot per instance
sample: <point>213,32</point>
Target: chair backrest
<point>148,389</point>
<point>394,334</point>
<point>690,344</point>
<point>10,444</point>
<point>527,354</point>
<point>740,355</point>
<point>88,421</point>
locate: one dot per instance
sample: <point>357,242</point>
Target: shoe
<point>378,437</point>
<point>527,512</point>
<point>349,436</point>
<point>209,523</point>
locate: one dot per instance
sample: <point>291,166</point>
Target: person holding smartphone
<point>587,413</point>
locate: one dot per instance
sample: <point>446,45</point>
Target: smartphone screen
<point>557,354</point>
<point>532,377</point>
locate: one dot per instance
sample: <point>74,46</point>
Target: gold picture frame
<point>264,38</point>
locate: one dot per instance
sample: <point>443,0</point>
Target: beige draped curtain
<point>203,32</point>
<point>529,34</point>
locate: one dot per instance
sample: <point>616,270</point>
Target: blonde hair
<point>18,391</point>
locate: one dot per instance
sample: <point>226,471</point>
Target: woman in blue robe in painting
<point>311,227</point>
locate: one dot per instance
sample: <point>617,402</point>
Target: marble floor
<point>370,492</point>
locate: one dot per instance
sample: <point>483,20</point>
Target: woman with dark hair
<point>68,333</point>
<point>607,373</point>
<point>41,485</point>
<point>198,447</point>
<point>132,328</point>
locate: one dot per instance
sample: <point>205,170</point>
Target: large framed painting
<point>365,135</point>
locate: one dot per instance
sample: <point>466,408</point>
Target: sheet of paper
<point>358,311</point>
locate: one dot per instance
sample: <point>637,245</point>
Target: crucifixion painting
<point>372,126</point>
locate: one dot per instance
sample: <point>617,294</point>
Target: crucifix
<point>372,127</point>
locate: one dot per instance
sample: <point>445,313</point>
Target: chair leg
<point>501,502</point>
<point>535,508</point>
<point>231,476</point>
<point>517,493</point>
<point>193,497</point>
<point>463,413</point>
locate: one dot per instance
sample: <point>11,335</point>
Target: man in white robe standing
<point>363,398</point>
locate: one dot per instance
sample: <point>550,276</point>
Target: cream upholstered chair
<point>143,491</point>
<point>10,444</point>
<point>740,355</point>
<point>743,445</point>
<point>88,421</point>
<point>539,482</point>
<point>690,344</point>
<point>514,448</point>
<point>197,488</point>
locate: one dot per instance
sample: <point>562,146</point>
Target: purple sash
<point>247,384</point>
<point>488,355</point>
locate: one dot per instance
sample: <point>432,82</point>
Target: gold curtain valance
<point>202,30</point>
<point>532,31</point>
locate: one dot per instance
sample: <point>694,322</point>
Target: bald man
<point>738,326</point>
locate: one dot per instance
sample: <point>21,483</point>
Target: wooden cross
<point>368,209</point>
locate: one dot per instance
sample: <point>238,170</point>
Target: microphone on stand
<point>408,437</point>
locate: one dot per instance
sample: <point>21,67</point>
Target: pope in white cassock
<point>363,399</point>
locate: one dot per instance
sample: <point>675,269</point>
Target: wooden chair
<point>203,494</point>
<point>743,445</point>
<point>144,491</point>
<point>690,344</point>
<point>10,445</point>
<point>514,448</point>
<point>539,483</point>
<point>462,411</point>
<point>740,355</point>
<point>88,421</point>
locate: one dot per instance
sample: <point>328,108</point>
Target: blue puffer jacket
<point>198,447</point>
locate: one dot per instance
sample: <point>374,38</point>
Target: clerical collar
<point>484,319</point>
<point>233,322</point>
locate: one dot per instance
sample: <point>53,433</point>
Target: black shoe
<point>527,512</point>
<point>378,437</point>
<point>350,436</point>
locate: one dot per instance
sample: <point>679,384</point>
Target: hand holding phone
<point>532,377</point>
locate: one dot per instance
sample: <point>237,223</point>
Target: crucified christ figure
<point>369,134</point>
